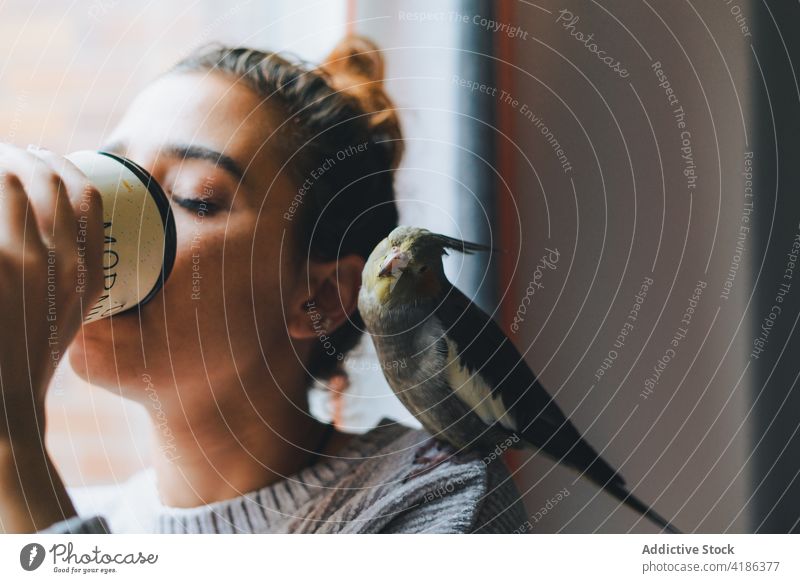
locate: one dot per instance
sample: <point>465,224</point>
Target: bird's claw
<point>429,455</point>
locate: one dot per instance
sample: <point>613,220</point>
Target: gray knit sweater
<point>371,486</point>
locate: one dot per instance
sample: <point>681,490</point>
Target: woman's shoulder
<point>401,484</point>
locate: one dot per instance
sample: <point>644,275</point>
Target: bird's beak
<point>396,260</point>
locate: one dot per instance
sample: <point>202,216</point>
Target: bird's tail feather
<point>586,460</point>
<point>621,493</point>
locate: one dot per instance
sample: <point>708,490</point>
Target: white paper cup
<point>139,247</point>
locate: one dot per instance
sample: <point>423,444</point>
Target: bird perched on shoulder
<point>462,377</point>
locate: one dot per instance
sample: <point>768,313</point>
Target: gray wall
<point>625,212</point>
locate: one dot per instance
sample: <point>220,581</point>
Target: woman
<point>281,181</point>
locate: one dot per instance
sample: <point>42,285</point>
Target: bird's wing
<point>488,354</point>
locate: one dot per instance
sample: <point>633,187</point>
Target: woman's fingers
<point>48,196</point>
<point>52,209</point>
<point>86,206</point>
<point>18,229</point>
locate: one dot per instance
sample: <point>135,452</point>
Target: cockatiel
<point>462,378</point>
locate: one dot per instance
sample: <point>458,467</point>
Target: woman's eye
<point>199,206</point>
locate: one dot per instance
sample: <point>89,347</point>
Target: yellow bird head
<point>406,266</point>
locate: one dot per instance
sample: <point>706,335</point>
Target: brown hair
<point>338,107</point>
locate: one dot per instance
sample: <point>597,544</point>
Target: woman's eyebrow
<point>191,152</point>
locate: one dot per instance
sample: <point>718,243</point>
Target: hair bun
<point>356,56</point>
<point>355,66</point>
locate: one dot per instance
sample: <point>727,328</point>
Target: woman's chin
<point>104,351</point>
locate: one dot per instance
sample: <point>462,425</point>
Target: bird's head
<point>407,265</point>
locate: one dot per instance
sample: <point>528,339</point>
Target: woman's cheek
<point>250,272</point>
<point>196,272</point>
<point>224,253</point>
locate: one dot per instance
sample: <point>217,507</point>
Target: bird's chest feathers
<point>412,341</point>
<point>418,347</point>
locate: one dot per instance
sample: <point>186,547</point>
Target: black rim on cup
<point>162,202</point>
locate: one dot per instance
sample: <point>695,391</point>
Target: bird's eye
<point>423,269</point>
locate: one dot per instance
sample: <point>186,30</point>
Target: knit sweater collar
<point>273,507</point>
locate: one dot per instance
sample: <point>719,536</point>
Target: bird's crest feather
<point>463,246</point>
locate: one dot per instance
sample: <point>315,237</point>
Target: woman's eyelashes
<point>197,205</point>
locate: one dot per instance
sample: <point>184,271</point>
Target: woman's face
<point>237,279</point>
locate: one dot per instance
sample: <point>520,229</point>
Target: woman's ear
<point>332,297</point>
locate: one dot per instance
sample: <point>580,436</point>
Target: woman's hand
<point>51,243</point>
